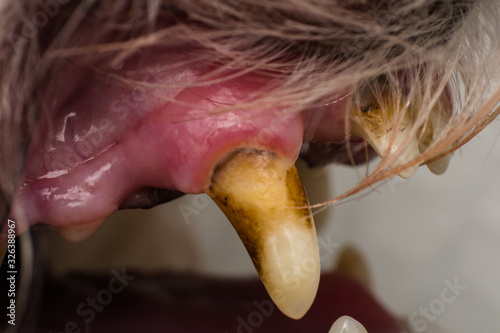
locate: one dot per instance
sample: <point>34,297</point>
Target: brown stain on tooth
<point>298,196</point>
<point>262,196</point>
<point>247,229</point>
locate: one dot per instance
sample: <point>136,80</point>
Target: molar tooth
<point>79,232</point>
<point>374,123</point>
<point>346,324</point>
<point>440,166</point>
<point>260,193</point>
<point>375,120</point>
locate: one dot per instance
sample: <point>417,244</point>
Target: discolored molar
<point>393,128</point>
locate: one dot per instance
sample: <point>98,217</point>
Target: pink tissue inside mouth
<point>104,136</point>
<point>180,303</point>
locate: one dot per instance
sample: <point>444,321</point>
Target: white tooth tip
<point>408,172</point>
<point>79,232</point>
<point>290,269</point>
<point>346,324</point>
<point>439,167</point>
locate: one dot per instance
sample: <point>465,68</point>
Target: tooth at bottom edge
<point>352,263</point>
<point>79,232</point>
<point>346,324</point>
<point>262,196</point>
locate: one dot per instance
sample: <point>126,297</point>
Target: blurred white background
<point>415,234</point>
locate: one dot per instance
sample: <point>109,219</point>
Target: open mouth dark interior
<point>124,122</point>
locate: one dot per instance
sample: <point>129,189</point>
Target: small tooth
<point>409,153</point>
<point>374,124</point>
<point>260,193</point>
<point>440,166</point>
<point>351,263</point>
<point>79,232</point>
<point>346,324</point>
<point>438,119</point>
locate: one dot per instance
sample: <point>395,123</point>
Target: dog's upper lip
<point>105,142</point>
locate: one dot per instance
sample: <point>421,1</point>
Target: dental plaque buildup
<point>264,199</point>
<point>375,122</point>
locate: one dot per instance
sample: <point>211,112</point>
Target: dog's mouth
<point>187,303</point>
<point>162,123</point>
<point>107,145</point>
